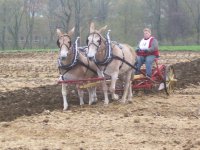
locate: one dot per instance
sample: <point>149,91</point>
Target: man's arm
<point>154,46</point>
<point>137,48</point>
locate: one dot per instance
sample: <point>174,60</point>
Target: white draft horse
<point>113,59</point>
<point>73,66</point>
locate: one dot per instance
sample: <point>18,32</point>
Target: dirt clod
<point>31,115</point>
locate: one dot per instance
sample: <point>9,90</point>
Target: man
<point>147,51</point>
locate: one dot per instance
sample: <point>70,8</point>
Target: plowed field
<point>31,116</point>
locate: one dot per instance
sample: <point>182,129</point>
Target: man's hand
<point>138,49</point>
<point>146,50</point>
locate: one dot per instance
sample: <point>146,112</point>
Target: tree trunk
<point>158,13</point>
<point>16,34</point>
<point>65,19</point>
<point>4,27</point>
<point>198,23</point>
<point>173,20</point>
<point>77,18</point>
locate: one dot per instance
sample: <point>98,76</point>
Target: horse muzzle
<point>91,58</point>
<point>61,61</point>
<point>63,58</point>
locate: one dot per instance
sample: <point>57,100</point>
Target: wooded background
<point>27,24</point>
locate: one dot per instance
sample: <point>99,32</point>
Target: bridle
<point>92,42</point>
<point>75,60</point>
<point>108,55</point>
<point>69,48</point>
<point>60,46</point>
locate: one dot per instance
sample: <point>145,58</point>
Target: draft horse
<point>73,65</point>
<point>113,59</point>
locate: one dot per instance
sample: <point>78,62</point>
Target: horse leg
<point>112,87</point>
<point>105,91</point>
<point>64,94</point>
<point>95,94</point>
<point>92,95</point>
<point>126,87</point>
<point>90,91</point>
<point>104,87</point>
<point>80,94</point>
<point>130,92</point>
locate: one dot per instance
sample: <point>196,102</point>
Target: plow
<point>163,78</point>
<point>121,80</point>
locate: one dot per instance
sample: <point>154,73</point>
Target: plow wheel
<point>170,81</point>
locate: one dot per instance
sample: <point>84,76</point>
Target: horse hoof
<point>95,100</point>
<point>130,101</point>
<point>106,104</point>
<point>81,104</point>
<point>115,97</point>
<point>64,109</point>
<point>122,101</point>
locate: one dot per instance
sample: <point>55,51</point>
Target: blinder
<point>58,43</point>
<point>87,41</point>
<point>70,43</point>
<point>99,41</point>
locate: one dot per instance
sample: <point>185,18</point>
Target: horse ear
<point>102,29</point>
<point>59,33</point>
<point>92,27</point>
<point>71,32</point>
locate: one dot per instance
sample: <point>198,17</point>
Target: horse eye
<point>99,41</point>
<point>58,43</point>
<point>69,43</point>
<point>87,41</point>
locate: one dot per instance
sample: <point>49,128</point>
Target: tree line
<point>27,24</point>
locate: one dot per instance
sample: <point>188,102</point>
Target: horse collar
<point>108,56</point>
<point>72,64</point>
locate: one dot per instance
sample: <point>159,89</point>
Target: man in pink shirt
<point>147,51</point>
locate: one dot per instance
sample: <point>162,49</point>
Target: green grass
<point>28,50</point>
<point>162,48</point>
<point>180,48</point>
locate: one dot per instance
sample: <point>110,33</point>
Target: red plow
<point>163,78</point>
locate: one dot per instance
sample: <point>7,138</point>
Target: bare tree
<point>158,19</point>
<point>155,12</point>
<point>77,18</point>
<point>3,31</point>
<point>16,16</point>
<point>52,21</point>
<point>103,10</point>
<point>66,14</point>
<point>31,7</point>
<point>194,9</point>
<point>173,20</point>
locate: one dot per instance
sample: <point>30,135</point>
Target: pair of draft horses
<point>101,57</point>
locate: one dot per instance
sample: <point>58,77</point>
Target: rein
<point>109,55</point>
<point>74,62</point>
<point>58,43</point>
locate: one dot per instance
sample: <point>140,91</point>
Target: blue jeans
<point>148,60</point>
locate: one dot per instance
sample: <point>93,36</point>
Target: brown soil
<point>31,116</point>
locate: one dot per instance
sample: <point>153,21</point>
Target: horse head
<point>65,45</point>
<point>94,40</point>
